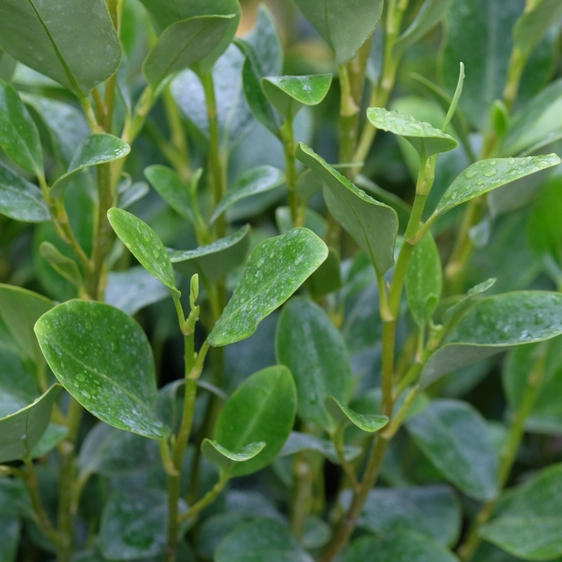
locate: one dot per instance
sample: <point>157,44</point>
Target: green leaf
<point>327,278</point>
<point>425,138</point>
<point>184,44</point>
<point>66,267</point>
<point>214,261</point>
<point>251,182</point>
<point>373,225</point>
<point>172,189</point>
<point>462,304</point>
<point>288,94</point>
<point>299,442</point>
<point>453,436</point>
<point>493,325</point>
<point>404,546</point>
<point>424,280</point>
<point>18,134</point>
<point>265,540</point>
<point>92,151</point>
<point>217,454</point>
<point>275,270</point>
<point>529,527</point>
<point>10,528</point>
<point>20,199</point>
<point>311,347</point>
<point>145,245</point>
<point>56,39</point>
<point>53,435</point>
<point>369,423</point>
<point>20,431</point>
<point>261,410</point>
<point>345,27</point>
<point>92,348</point>
<point>18,385</point>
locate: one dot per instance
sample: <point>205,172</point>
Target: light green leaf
<point>53,435</point>
<point>493,325</point>
<point>172,189</point>
<point>93,150</point>
<point>299,442</point>
<point>251,182</point>
<point>20,431</point>
<point>18,134</point>
<point>71,42</point>
<point>92,348</point>
<point>466,300</point>
<point>66,267</point>
<point>21,200</point>
<point>265,540</point>
<point>424,280</point>
<point>214,261</point>
<point>425,138</point>
<point>311,347</point>
<point>145,245</point>
<point>373,225</point>
<point>288,94</point>
<point>275,270</point>
<point>453,436</point>
<point>217,454</point>
<point>532,26</point>
<point>344,26</point>
<point>261,410</point>
<point>529,526</point>
<point>342,414</point>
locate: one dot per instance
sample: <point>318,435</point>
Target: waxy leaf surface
<point>224,458</point>
<point>342,414</point>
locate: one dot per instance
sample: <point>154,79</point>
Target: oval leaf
<point>342,414</point>
<point>217,454</point>
<point>94,349</point>
<point>275,270</point>
<point>299,442</point>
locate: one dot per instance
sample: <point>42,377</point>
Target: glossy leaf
<point>256,180</point>
<point>274,271</point>
<point>373,225</point>
<point>56,39</point>
<point>261,410</point>
<point>425,138</point>
<point>453,436</point>
<point>466,300</point>
<point>93,150</point>
<point>369,423</point>
<point>424,280</point>
<point>20,431</point>
<point>145,245</point>
<point>214,261</point>
<point>265,540</point>
<point>217,454</point>
<point>299,442</point>
<point>532,26</point>
<point>93,348</point>
<point>20,199</point>
<point>529,526</point>
<point>345,27</point>
<point>289,93</point>
<point>172,189</point>
<point>186,43</point>
<point>18,134</point>
<point>493,325</point>
<point>66,267</point>
<point>311,347</point>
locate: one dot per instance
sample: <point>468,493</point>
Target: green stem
<point>178,138</point>
<point>288,138</point>
<point>302,492</point>
<point>207,499</point>
<point>339,444</point>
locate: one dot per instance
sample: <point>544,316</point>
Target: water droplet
<point>81,378</point>
<point>491,172</point>
<point>469,174</point>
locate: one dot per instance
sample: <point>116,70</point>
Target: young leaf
<point>264,540</point>
<point>529,526</point>
<point>299,442</point>
<point>18,134</point>
<point>184,44</point>
<point>454,437</point>
<point>64,266</point>
<point>424,280</point>
<point>20,431</point>
<point>369,423</point>
<point>251,182</point>
<point>289,93</point>
<point>261,410</point>
<point>217,454</point>
<point>93,150</point>
<point>345,27</point>
<point>92,348</point>
<point>373,225</point>
<point>493,325</point>
<point>425,138</point>
<point>145,245</point>
<point>311,347</point>
<point>21,200</point>
<point>56,38</point>
<point>275,270</point>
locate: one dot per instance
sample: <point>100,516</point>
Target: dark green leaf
<point>217,454</point>
<point>453,436</point>
<point>299,442</point>
<point>53,435</point>
<point>66,267</point>
<point>327,278</point>
<point>261,410</point>
<point>373,225</point>
<point>9,537</point>
<point>532,26</point>
<point>18,386</point>
<point>274,271</point>
<point>71,42</point>
<point>93,348</point>
<point>311,347</point>
<point>342,414</point>
<point>172,189</point>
